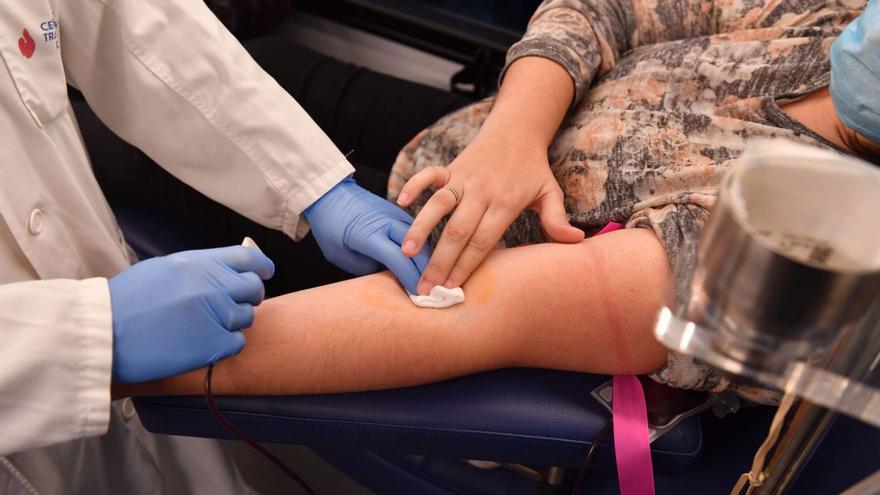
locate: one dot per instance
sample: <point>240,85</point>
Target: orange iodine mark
<point>480,288</point>
<point>382,292</point>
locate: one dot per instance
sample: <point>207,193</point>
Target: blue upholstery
<point>845,457</point>
<point>729,445</point>
<point>847,454</point>
<point>426,475</point>
<point>728,449</point>
<point>519,415</point>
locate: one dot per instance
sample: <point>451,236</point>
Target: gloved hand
<point>358,230</point>
<point>181,312</point>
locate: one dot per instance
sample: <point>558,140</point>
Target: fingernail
<point>409,247</point>
<point>403,198</point>
<point>448,284</point>
<point>424,287</point>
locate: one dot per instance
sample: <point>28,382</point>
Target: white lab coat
<point>167,77</point>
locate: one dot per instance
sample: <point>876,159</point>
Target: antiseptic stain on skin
<point>480,288</point>
<point>374,292</point>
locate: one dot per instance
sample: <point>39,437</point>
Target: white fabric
<point>68,319</point>
<point>250,243</point>
<point>167,77</point>
<point>439,297</point>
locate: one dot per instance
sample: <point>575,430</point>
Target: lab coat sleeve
<point>167,77</point>
<point>56,358</point>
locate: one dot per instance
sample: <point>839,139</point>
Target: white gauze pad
<point>249,243</point>
<point>440,297</point>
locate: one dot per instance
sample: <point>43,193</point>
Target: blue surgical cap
<point>855,74</point>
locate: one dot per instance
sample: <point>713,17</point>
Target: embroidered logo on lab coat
<point>26,44</point>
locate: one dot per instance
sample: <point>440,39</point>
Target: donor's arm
<point>586,307</point>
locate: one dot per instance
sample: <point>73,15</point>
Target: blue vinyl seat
<point>527,416</point>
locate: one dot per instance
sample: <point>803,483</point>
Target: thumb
<point>555,221</point>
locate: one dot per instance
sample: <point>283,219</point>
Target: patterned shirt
<point>667,94</point>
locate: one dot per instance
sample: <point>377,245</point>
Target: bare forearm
<point>586,307</point>
<point>533,99</point>
<point>360,334</point>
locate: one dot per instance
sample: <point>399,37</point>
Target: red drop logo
<point>26,44</point>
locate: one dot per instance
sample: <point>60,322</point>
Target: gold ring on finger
<point>454,193</point>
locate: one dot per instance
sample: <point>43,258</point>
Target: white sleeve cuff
<point>94,319</point>
<point>293,224</point>
<point>57,358</point>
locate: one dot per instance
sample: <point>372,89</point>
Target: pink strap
<point>632,448</point>
<point>611,227</point>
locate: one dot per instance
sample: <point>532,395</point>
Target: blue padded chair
<point>845,456</point>
<point>411,440</point>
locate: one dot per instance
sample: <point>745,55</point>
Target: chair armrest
<point>528,416</point>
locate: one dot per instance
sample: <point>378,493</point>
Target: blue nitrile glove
<point>358,230</point>
<point>181,312</point>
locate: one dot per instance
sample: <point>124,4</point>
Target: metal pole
<point>854,356</point>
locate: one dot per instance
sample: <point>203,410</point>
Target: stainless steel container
<point>788,262</point>
<point>786,291</point>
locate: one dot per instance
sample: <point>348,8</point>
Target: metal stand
<point>856,357</point>
<point>785,302</point>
